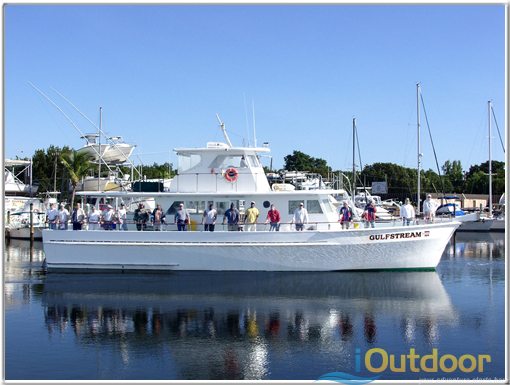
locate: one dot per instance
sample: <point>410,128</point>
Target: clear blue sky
<point>162,72</point>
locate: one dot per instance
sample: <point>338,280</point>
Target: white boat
<point>489,221</point>
<point>114,151</point>
<point>223,174</point>
<point>12,183</point>
<point>382,214</point>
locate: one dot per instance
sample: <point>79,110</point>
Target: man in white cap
<point>108,217</point>
<point>300,217</point>
<point>251,217</point>
<point>429,209</point>
<point>122,216</point>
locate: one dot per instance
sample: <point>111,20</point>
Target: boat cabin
<point>220,168</point>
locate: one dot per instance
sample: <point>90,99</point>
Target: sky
<point>291,75</point>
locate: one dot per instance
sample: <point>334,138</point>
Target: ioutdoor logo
<point>377,360</point>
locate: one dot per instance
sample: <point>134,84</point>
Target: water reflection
<point>22,272</point>
<point>477,245</point>
<point>227,325</point>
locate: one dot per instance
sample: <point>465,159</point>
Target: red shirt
<point>273,216</point>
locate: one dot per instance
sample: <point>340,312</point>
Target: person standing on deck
<point>429,209</point>
<point>232,218</point>
<point>252,215</point>
<point>157,217</point>
<point>209,218</point>
<point>407,213</point>
<point>182,218</point>
<point>94,219</point>
<point>108,218</point>
<point>345,215</point>
<point>52,216</point>
<point>273,218</point>
<point>141,217</point>
<point>369,214</point>
<point>122,215</point>
<point>78,217</point>
<point>300,217</point>
<point>63,217</point>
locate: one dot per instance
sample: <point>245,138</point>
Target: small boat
<point>18,223</point>
<point>223,174</point>
<point>114,151</point>
<point>12,183</point>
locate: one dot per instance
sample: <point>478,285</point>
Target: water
<point>270,326</point>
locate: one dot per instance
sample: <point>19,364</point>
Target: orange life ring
<point>231,174</point>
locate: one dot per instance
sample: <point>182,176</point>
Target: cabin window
<point>253,161</point>
<point>293,205</point>
<point>313,207</point>
<point>222,206</point>
<point>187,161</point>
<point>327,205</point>
<point>237,161</point>
<point>194,207</point>
<point>173,209</point>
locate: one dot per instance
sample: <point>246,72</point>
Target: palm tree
<point>77,165</point>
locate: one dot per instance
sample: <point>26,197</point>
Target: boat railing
<point>260,226</point>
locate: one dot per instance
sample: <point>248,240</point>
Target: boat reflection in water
<point>233,325</point>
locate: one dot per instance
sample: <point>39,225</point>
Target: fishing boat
<point>222,174</point>
<point>114,151</point>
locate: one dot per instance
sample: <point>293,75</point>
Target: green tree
<point>299,161</point>
<point>158,171</point>
<point>48,170</point>
<point>477,178</point>
<point>77,165</point>
<point>453,172</point>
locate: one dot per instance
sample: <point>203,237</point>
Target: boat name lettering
<point>409,234</point>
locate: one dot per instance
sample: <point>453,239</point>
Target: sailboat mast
<point>490,161</point>
<point>99,141</point>
<point>419,146</point>
<point>353,158</point>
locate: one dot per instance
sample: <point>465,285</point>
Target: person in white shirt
<point>52,216</point>
<point>300,217</point>
<point>63,218</point>
<point>94,218</point>
<point>108,218</point>
<point>209,218</point>
<point>122,214</point>
<point>407,213</point>
<point>429,209</point>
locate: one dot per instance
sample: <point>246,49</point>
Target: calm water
<point>271,326</point>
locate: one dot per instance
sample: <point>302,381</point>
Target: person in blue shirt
<point>345,216</point>
<point>232,218</point>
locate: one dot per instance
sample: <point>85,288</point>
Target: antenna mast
<point>353,158</point>
<point>419,146</point>
<point>490,161</point>
<point>222,126</point>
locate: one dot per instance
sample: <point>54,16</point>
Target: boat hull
<point>24,233</point>
<point>410,247</point>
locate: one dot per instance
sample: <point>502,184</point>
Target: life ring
<point>231,174</point>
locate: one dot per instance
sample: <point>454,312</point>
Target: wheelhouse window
<point>237,161</point>
<point>293,205</point>
<point>187,161</point>
<point>313,207</point>
<point>327,206</point>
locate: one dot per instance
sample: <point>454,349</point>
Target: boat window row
<point>313,206</point>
